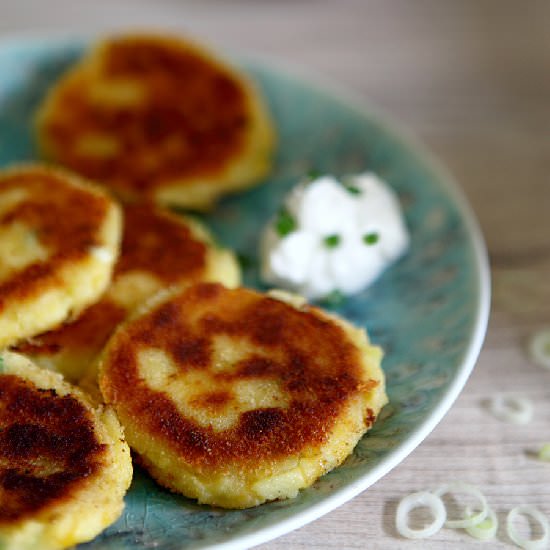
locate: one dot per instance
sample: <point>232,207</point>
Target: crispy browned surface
<point>47,448</point>
<point>153,242</point>
<point>91,330</point>
<point>312,358</point>
<point>65,218</point>
<point>192,120</point>
<point>160,245</point>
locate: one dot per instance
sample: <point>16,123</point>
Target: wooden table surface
<point>472,79</point>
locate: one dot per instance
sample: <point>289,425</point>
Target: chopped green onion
<point>544,453</point>
<point>349,185</point>
<point>313,174</point>
<point>464,488</point>
<point>422,499</point>
<point>510,408</point>
<point>371,238</point>
<point>352,189</point>
<point>1,364</point>
<point>285,223</point>
<point>334,299</point>
<point>539,348</point>
<point>484,530</point>
<point>537,516</point>
<point>246,261</point>
<point>332,241</point>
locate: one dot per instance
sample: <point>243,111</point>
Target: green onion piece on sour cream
<point>322,238</point>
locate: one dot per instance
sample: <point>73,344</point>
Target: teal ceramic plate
<point>429,311</point>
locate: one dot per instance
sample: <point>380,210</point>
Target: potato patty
<point>234,398</point>
<point>158,249</point>
<point>158,117</point>
<point>64,466</point>
<point>59,239</point>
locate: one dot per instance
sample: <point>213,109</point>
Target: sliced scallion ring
<point>464,488</point>
<point>514,409</point>
<point>416,500</point>
<point>536,515</point>
<point>539,348</point>
<point>484,530</point>
<point>544,453</point>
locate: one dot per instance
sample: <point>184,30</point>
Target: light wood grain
<point>472,79</point>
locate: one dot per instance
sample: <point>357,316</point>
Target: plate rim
<point>400,134</point>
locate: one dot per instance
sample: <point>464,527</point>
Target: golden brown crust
<point>154,242</point>
<point>183,116</point>
<point>48,448</point>
<point>64,218</point>
<point>90,330</point>
<point>161,245</point>
<point>319,370</point>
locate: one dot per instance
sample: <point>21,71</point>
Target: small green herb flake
<point>285,223</point>
<point>352,189</point>
<point>313,174</point>
<point>246,262</point>
<point>371,238</point>
<point>332,241</point>
<point>334,299</point>
<point>1,364</point>
<point>348,183</point>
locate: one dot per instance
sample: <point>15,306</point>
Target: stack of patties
<point>64,465</point>
<point>60,451</point>
<point>159,249</point>
<point>59,240</point>
<point>226,395</point>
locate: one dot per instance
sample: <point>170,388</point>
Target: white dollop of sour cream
<point>333,236</point>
